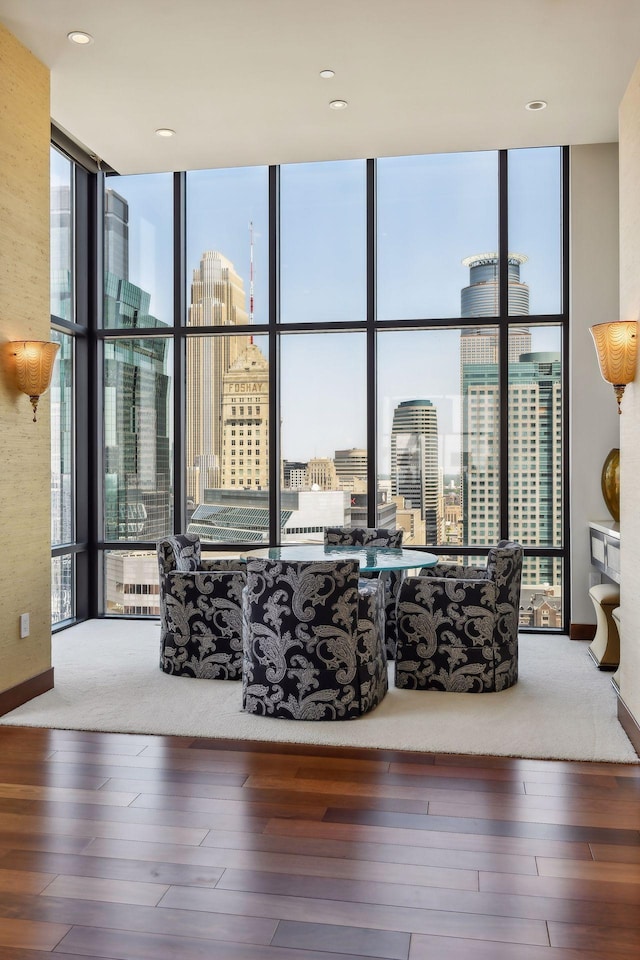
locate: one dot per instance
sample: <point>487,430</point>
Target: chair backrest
<point>504,567</point>
<point>362,536</point>
<point>181,552</point>
<point>307,605</point>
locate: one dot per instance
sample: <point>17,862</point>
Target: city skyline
<point>440,208</point>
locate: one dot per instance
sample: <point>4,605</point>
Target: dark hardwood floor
<point>150,848</point>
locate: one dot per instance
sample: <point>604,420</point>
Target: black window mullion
<point>372,436</point>
<point>179,351</point>
<point>566,366</point>
<point>503,359</point>
<point>95,398</point>
<point>274,356</point>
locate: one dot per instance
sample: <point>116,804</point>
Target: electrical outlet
<point>24,625</point>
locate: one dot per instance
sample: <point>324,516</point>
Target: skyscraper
<point>535,464</point>
<point>116,234</point>
<point>137,390</point>
<point>245,422</point>
<point>217,300</point>
<point>351,468</point>
<point>535,423</point>
<point>482,297</point>
<point>415,468</point>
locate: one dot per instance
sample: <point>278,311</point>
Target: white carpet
<point>107,678</point>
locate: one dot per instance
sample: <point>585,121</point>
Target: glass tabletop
<point>371,559</point>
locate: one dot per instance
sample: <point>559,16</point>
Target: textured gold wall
<point>25,523</point>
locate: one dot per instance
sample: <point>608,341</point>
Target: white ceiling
<point>239,80</point>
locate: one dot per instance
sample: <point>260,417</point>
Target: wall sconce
<point>617,348</point>
<point>33,366</point>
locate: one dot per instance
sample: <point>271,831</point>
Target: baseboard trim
<point>25,691</point>
<point>629,724</point>
<point>582,631</point>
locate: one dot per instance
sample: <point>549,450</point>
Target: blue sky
<point>433,211</point>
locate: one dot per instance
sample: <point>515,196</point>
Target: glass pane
<point>540,600</point>
<point>131,585</point>
<point>438,433</point>
<point>535,449</point>
<point>138,438</point>
<point>323,241</point>
<point>138,251</point>
<point>61,210</point>
<point>62,443</point>
<point>535,227</point>
<point>433,213</point>
<point>323,434</point>
<point>62,589</point>
<point>228,246</point>
<point>480,393</point>
<point>227,438</point>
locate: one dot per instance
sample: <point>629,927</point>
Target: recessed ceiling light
<point>536,105</point>
<point>79,36</point>
<point>165,132</point>
<point>327,74</point>
<point>338,104</point>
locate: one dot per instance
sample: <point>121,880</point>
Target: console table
<point>604,538</point>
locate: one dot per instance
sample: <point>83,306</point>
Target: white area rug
<point>107,678</point>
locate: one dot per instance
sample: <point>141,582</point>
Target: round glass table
<point>371,559</point>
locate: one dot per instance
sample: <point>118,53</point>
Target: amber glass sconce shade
<point>617,348</point>
<point>34,361</point>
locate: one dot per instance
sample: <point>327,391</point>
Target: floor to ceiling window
<point>62,398</point>
<point>359,342</point>
<point>72,191</point>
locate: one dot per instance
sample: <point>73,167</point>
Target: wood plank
<point>607,851</point>
<point>17,880</point>
<point>99,888</point>
<point>485,842</point>
<point>478,772</point>
<point>138,867</point>
<point>583,813</point>
<point>621,944</point>
<point>10,840</point>
<point>30,935</point>
<point>67,794</point>
<point>430,779</point>
<point>594,870</point>
<point>453,948</point>
<point>496,826</point>
<point>44,774</point>
<point>95,828</point>
<point>342,939</point>
<point>564,888</point>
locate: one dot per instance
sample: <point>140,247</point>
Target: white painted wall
<point>594,280</point>
<point>630,419</point>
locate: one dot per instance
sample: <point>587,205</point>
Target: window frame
<point>90,546</point>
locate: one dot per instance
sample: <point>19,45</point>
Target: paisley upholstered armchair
<point>200,611</point>
<point>458,626</point>
<point>375,537</point>
<point>313,640</point>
